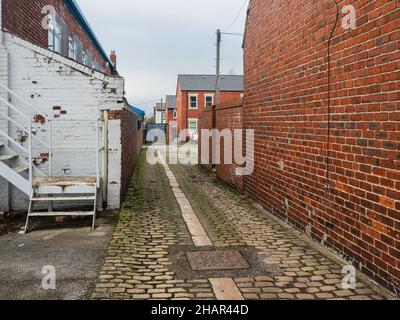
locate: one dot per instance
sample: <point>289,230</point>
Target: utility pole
<point>217,88</point>
<point>161,109</point>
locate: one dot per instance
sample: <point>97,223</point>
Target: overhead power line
<point>238,15</point>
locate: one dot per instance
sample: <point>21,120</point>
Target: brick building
<point>68,34</point>
<point>160,116</point>
<point>196,92</point>
<point>323,100</point>
<point>171,117</point>
<point>55,74</point>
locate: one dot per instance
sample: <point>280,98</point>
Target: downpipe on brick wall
<point>329,71</point>
<point>105,155</point>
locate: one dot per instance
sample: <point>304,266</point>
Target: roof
<point>207,82</point>
<point>170,101</point>
<point>138,111</point>
<point>79,16</point>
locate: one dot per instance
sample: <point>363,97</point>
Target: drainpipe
<point>1,22</point>
<point>105,155</point>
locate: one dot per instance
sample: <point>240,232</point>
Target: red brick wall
<point>206,122</point>
<point>286,103</point>
<point>229,116</point>
<point>132,141</point>
<point>170,122</point>
<point>184,113</point>
<point>23,18</point>
<point>224,116</point>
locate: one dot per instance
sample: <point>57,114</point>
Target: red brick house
<point>324,102</point>
<point>196,92</point>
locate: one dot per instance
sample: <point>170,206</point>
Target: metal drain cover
<point>217,260</point>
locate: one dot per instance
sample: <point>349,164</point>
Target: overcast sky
<point>156,40</point>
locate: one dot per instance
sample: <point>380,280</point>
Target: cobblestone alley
<point>217,247</point>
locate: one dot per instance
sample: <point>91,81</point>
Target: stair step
<point>64,181</point>
<point>56,214</point>
<point>5,157</point>
<point>20,169</point>
<point>91,198</point>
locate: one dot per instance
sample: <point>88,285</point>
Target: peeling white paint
<point>49,81</point>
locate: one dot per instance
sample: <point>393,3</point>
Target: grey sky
<point>156,40</point>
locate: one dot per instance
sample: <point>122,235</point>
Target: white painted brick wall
<point>47,80</point>
<point>4,187</point>
<point>114,166</point>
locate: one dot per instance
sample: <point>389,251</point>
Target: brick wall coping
<point>230,105</point>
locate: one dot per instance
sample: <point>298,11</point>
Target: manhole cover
<point>217,260</point>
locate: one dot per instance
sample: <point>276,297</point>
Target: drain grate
<point>217,260</point>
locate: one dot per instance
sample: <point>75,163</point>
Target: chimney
<point>113,58</point>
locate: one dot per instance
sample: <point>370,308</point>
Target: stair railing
<point>27,128</point>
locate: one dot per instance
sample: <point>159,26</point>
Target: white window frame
<point>71,48</point>
<point>193,120</point>
<point>84,57</point>
<point>208,95</point>
<point>192,95</point>
<point>163,117</point>
<point>54,34</point>
<point>175,114</point>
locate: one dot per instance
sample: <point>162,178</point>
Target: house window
<point>54,34</point>
<point>89,60</point>
<point>77,50</point>
<point>163,117</point>
<point>71,48</point>
<point>193,126</point>
<point>175,114</point>
<point>96,66</point>
<point>57,35</point>
<point>193,99</point>
<point>84,57</point>
<point>209,100</point>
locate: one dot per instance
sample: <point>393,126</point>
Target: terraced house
<point>65,127</point>
<point>197,92</point>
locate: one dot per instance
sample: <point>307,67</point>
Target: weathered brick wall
<point>132,141</point>
<point>61,89</point>
<point>23,18</point>
<point>229,116</point>
<point>224,116</point>
<point>205,122</point>
<point>184,113</point>
<point>297,134</point>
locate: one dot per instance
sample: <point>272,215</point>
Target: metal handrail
<point>14,108</point>
<point>26,129</point>
<point>29,132</point>
<point>24,101</point>
<point>14,142</point>
<point>49,145</point>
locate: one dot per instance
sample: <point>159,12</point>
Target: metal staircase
<point>18,168</point>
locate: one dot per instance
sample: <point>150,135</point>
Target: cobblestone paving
<point>139,264</point>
